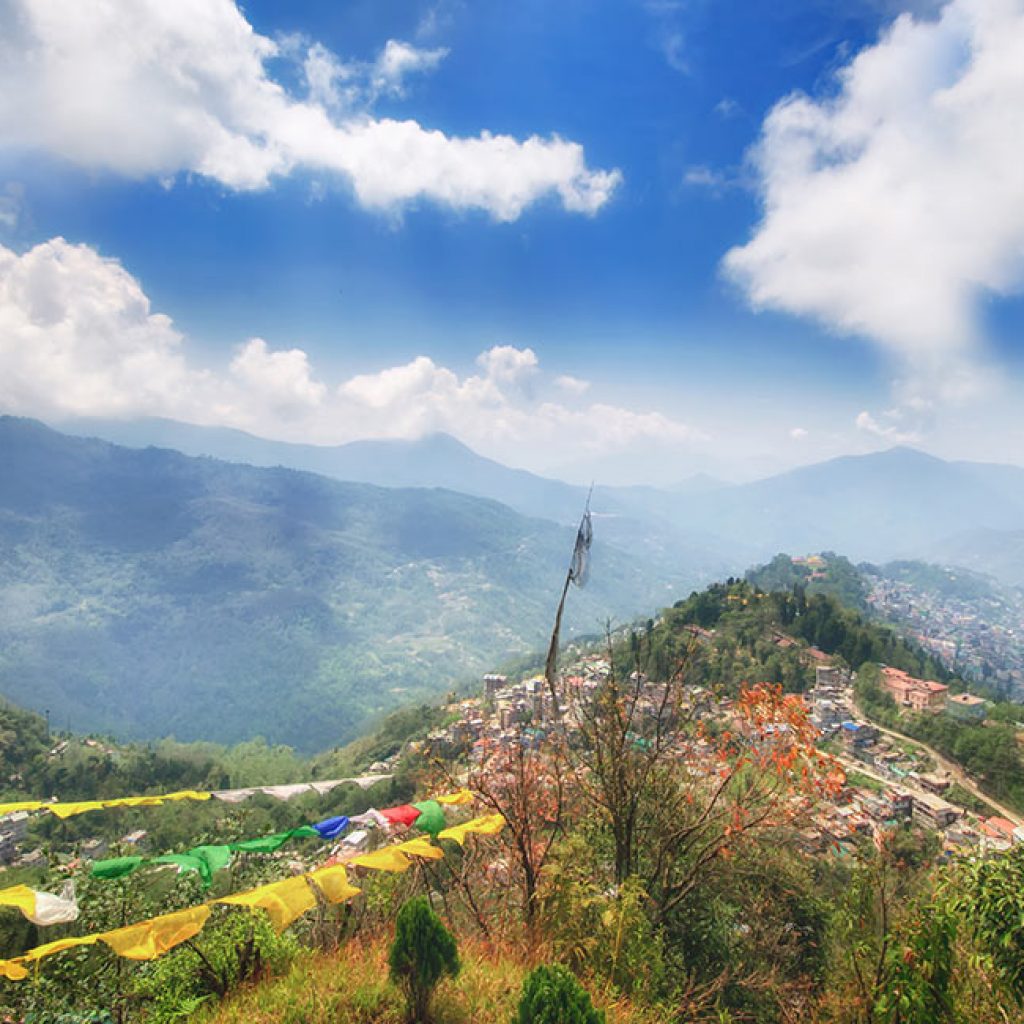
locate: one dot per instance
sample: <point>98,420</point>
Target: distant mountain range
<point>644,520</point>
<point>878,507</point>
<point>893,504</point>
<point>150,593</point>
<point>147,592</point>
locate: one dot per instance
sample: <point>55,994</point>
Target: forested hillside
<point>754,633</point>
<point>151,594</point>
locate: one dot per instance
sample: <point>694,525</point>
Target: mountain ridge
<point>145,592</point>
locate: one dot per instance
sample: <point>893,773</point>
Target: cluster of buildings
<point>982,635</point>
<point>916,694</point>
<point>929,697</point>
<point>512,712</point>
<point>886,784</point>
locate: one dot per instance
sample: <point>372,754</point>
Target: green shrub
<point>227,952</point>
<point>422,953</point>
<point>552,995</point>
<point>597,930</point>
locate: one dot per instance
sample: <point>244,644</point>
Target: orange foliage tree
<point>763,772</point>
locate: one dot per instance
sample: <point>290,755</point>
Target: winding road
<point>951,768</point>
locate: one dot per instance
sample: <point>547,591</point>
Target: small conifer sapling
<point>422,953</point>
<point>552,995</point>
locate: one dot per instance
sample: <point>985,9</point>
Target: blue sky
<point>323,282</point>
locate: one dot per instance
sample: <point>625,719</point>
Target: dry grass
<point>351,986</point>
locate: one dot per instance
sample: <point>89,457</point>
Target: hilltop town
<point>890,781</point>
<point>976,628</point>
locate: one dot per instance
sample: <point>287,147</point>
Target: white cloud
<point>78,338</point>
<point>150,88</point>
<point>673,48</point>
<point>399,59</point>
<point>506,364</point>
<point>893,206</point>
<point>798,433</point>
<point>888,431</point>
<point>12,204</point>
<point>715,181</point>
<point>727,108</point>
<point>330,83</point>
<point>572,385</point>
<point>280,380</point>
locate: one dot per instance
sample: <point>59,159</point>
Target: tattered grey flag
<point>579,570</point>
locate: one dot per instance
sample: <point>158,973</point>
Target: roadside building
<point>12,830</point>
<point>937,784</point>
<point>916,694</point>
<point>966,706</point>
<point>1001,828</point>
<point>857,735</point>
<point>934,812</point>
<point>829,675</point>
<point>493,683</point>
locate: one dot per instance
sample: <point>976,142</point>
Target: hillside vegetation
<point>656,854</point>
<point>149,594</point>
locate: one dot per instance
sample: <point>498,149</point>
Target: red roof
<point>1003,826</point>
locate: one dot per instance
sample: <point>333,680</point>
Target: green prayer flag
<point>206,860</point>
<point>273,843</point>
<point>431,817</point>
<point>115,867</point>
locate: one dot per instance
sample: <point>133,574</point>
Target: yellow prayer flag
<point>135,801</point>
<point>283,901</point>
<point>487,825</point>
<point>188,794</point>
<point>21,897</point>
<point>71,809</point>
<point>389,858</point>
<point>456,799</point>
<point>23,805</point>
<point>421,846</point>
<point>334,884</point>
<point>12,970</point>
<point>149,939</point>
<point>58,946</point>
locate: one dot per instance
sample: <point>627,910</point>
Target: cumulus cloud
<point>895,203</point>
<point>78,338</point>
<point>330,82</point>
<point>150,88</point>
<point>399,59</point>
<point>798,433</point>
<point>282,380</point>
<point>507,364</point>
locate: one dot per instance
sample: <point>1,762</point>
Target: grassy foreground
<point>350,986</point>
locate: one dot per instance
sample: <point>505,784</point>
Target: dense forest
<point>753,630</point>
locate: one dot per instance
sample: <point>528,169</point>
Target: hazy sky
<point>606,238</point>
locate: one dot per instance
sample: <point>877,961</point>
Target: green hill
<point>146,593</point>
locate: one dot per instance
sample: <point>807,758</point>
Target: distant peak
<point>439,439</point>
